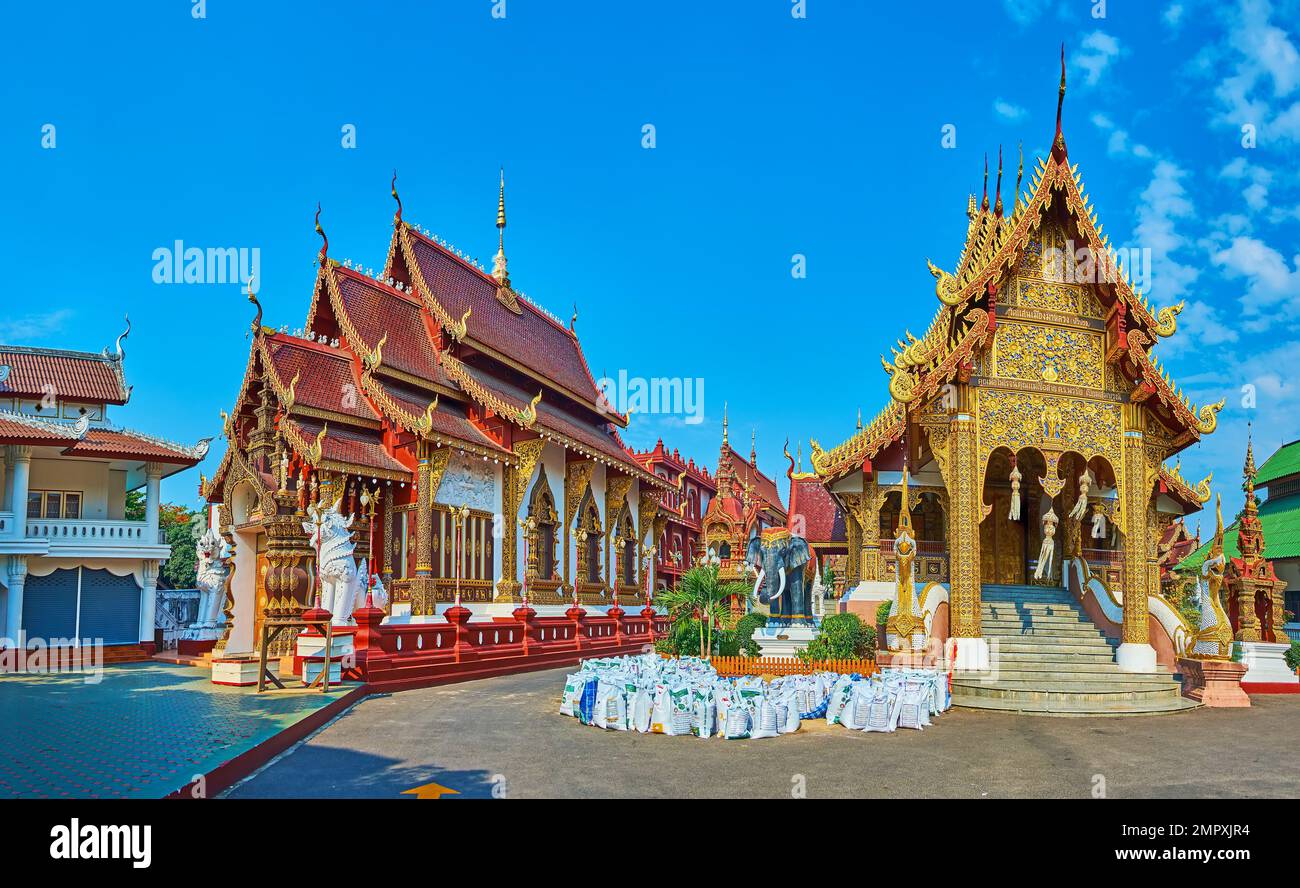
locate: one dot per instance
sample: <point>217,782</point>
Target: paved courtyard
<point>145,730</point>
<point>505,735</point>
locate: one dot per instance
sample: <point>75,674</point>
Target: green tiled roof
<point>1286,461</point>
<point>1280,519</point>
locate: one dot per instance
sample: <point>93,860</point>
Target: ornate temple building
<point>1263,593</point>
<point>455,419</point>
<point>77,568</point>
<point>678,545</point>
<point>747,502</point>
<point>1032,402</point>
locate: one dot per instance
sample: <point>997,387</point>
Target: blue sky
<point>775,135</point>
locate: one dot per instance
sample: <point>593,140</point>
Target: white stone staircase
<point>1047,658</point>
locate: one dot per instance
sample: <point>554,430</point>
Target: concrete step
<point>1077,710</point>
<point>1028,645</point>
<point>1082,671</point>
<point>1016,630</point>
<point>1099,684</point>
<point>1011,659</point>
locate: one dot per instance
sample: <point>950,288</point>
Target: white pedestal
<point>311,648</point>
<point>239,671</point>
<point>783,641</point>
<point>1135,657</point>
<point>972,655</point>
<point>201,632</point>
<point>1264,662</point>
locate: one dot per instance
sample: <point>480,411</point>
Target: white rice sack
<point>704,714</point>
<point>677,711</point>
<point>791,718</point>
<point>572,697</point>
<point>880,710</point>
<point>739,723</point>
<point>766,719</point>
<point>841,695</point>
<point>641,706</point>
<point>661,711</point>
<point>611,708</point>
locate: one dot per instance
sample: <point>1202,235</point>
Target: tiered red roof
<point>528,341</point>
<point>823,519</point>
<point>762,486</point>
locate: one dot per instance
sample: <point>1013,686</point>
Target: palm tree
<point>699,594</point>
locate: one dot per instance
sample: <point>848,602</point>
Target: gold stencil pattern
<point>1033,353</point>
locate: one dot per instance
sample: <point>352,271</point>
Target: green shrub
<point>842,637</point>
<point>744,634</point>
<point>882,612</point>
<point>683,639</point>
<point>1293,655</point>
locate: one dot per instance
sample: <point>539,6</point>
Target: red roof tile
<point>126,444</point>
<point>553,418</point>
<point>375,309</point>
<point>325,379</point>
<point>823,519</point>
<point>15,429</point>
<point>448,420</point>
<point>764,487</point>
<point>354,448</point>
<point>529,338</point>
<point>75,376</point>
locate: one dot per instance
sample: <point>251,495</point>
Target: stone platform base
<point>1215,683</point>
<point>783,641</point>
<point>1265,664</point>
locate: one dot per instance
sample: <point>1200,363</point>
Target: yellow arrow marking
<point>430,791</point>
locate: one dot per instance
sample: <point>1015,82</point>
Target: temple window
<point>541,510</point>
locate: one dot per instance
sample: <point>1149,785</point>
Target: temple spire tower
<point>499,271</point>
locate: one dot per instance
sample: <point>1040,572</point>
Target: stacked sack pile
<point>896,698</point>
<point>686,696</point>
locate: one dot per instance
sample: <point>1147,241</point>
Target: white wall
<point>91,478</point>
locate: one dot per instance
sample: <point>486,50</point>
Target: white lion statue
<point>343,588</point>
<point>212,553</point>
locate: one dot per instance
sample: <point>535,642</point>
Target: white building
<point>71,565</point>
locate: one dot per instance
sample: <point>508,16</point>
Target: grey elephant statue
<point>784,581</point>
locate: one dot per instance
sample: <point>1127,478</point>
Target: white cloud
<point>1163,202</point>
<point>1095,55</point>
<point>1256,180</point>
<point>1264,70</point>
<point>14,331</point>
<point>1025,12</point>
<point>1272,287</point>
<point>1007,111</point>
<point>1173,15</point>
<point>1118,144</point>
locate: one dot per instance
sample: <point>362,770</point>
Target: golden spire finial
<point>859,419</point>
<point>499,261</point>
<point>1216,548</point>
<point>724,423</point>
<point>753,447</point>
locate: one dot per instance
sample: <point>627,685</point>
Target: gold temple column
<point>424,513</point>
<point>1135,653</point>
<point>966,497</point>
<point>515,480</point>
<point>870,567</point>
<point>963,524</point>
<point>853,558</point>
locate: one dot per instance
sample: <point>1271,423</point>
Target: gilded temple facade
<point>1032,416</point>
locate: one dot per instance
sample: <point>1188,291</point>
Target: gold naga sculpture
<point>1213,638</point>
<point>905,619</point>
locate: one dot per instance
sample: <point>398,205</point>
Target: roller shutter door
<point>50,606</point>
<point>110,607</point>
